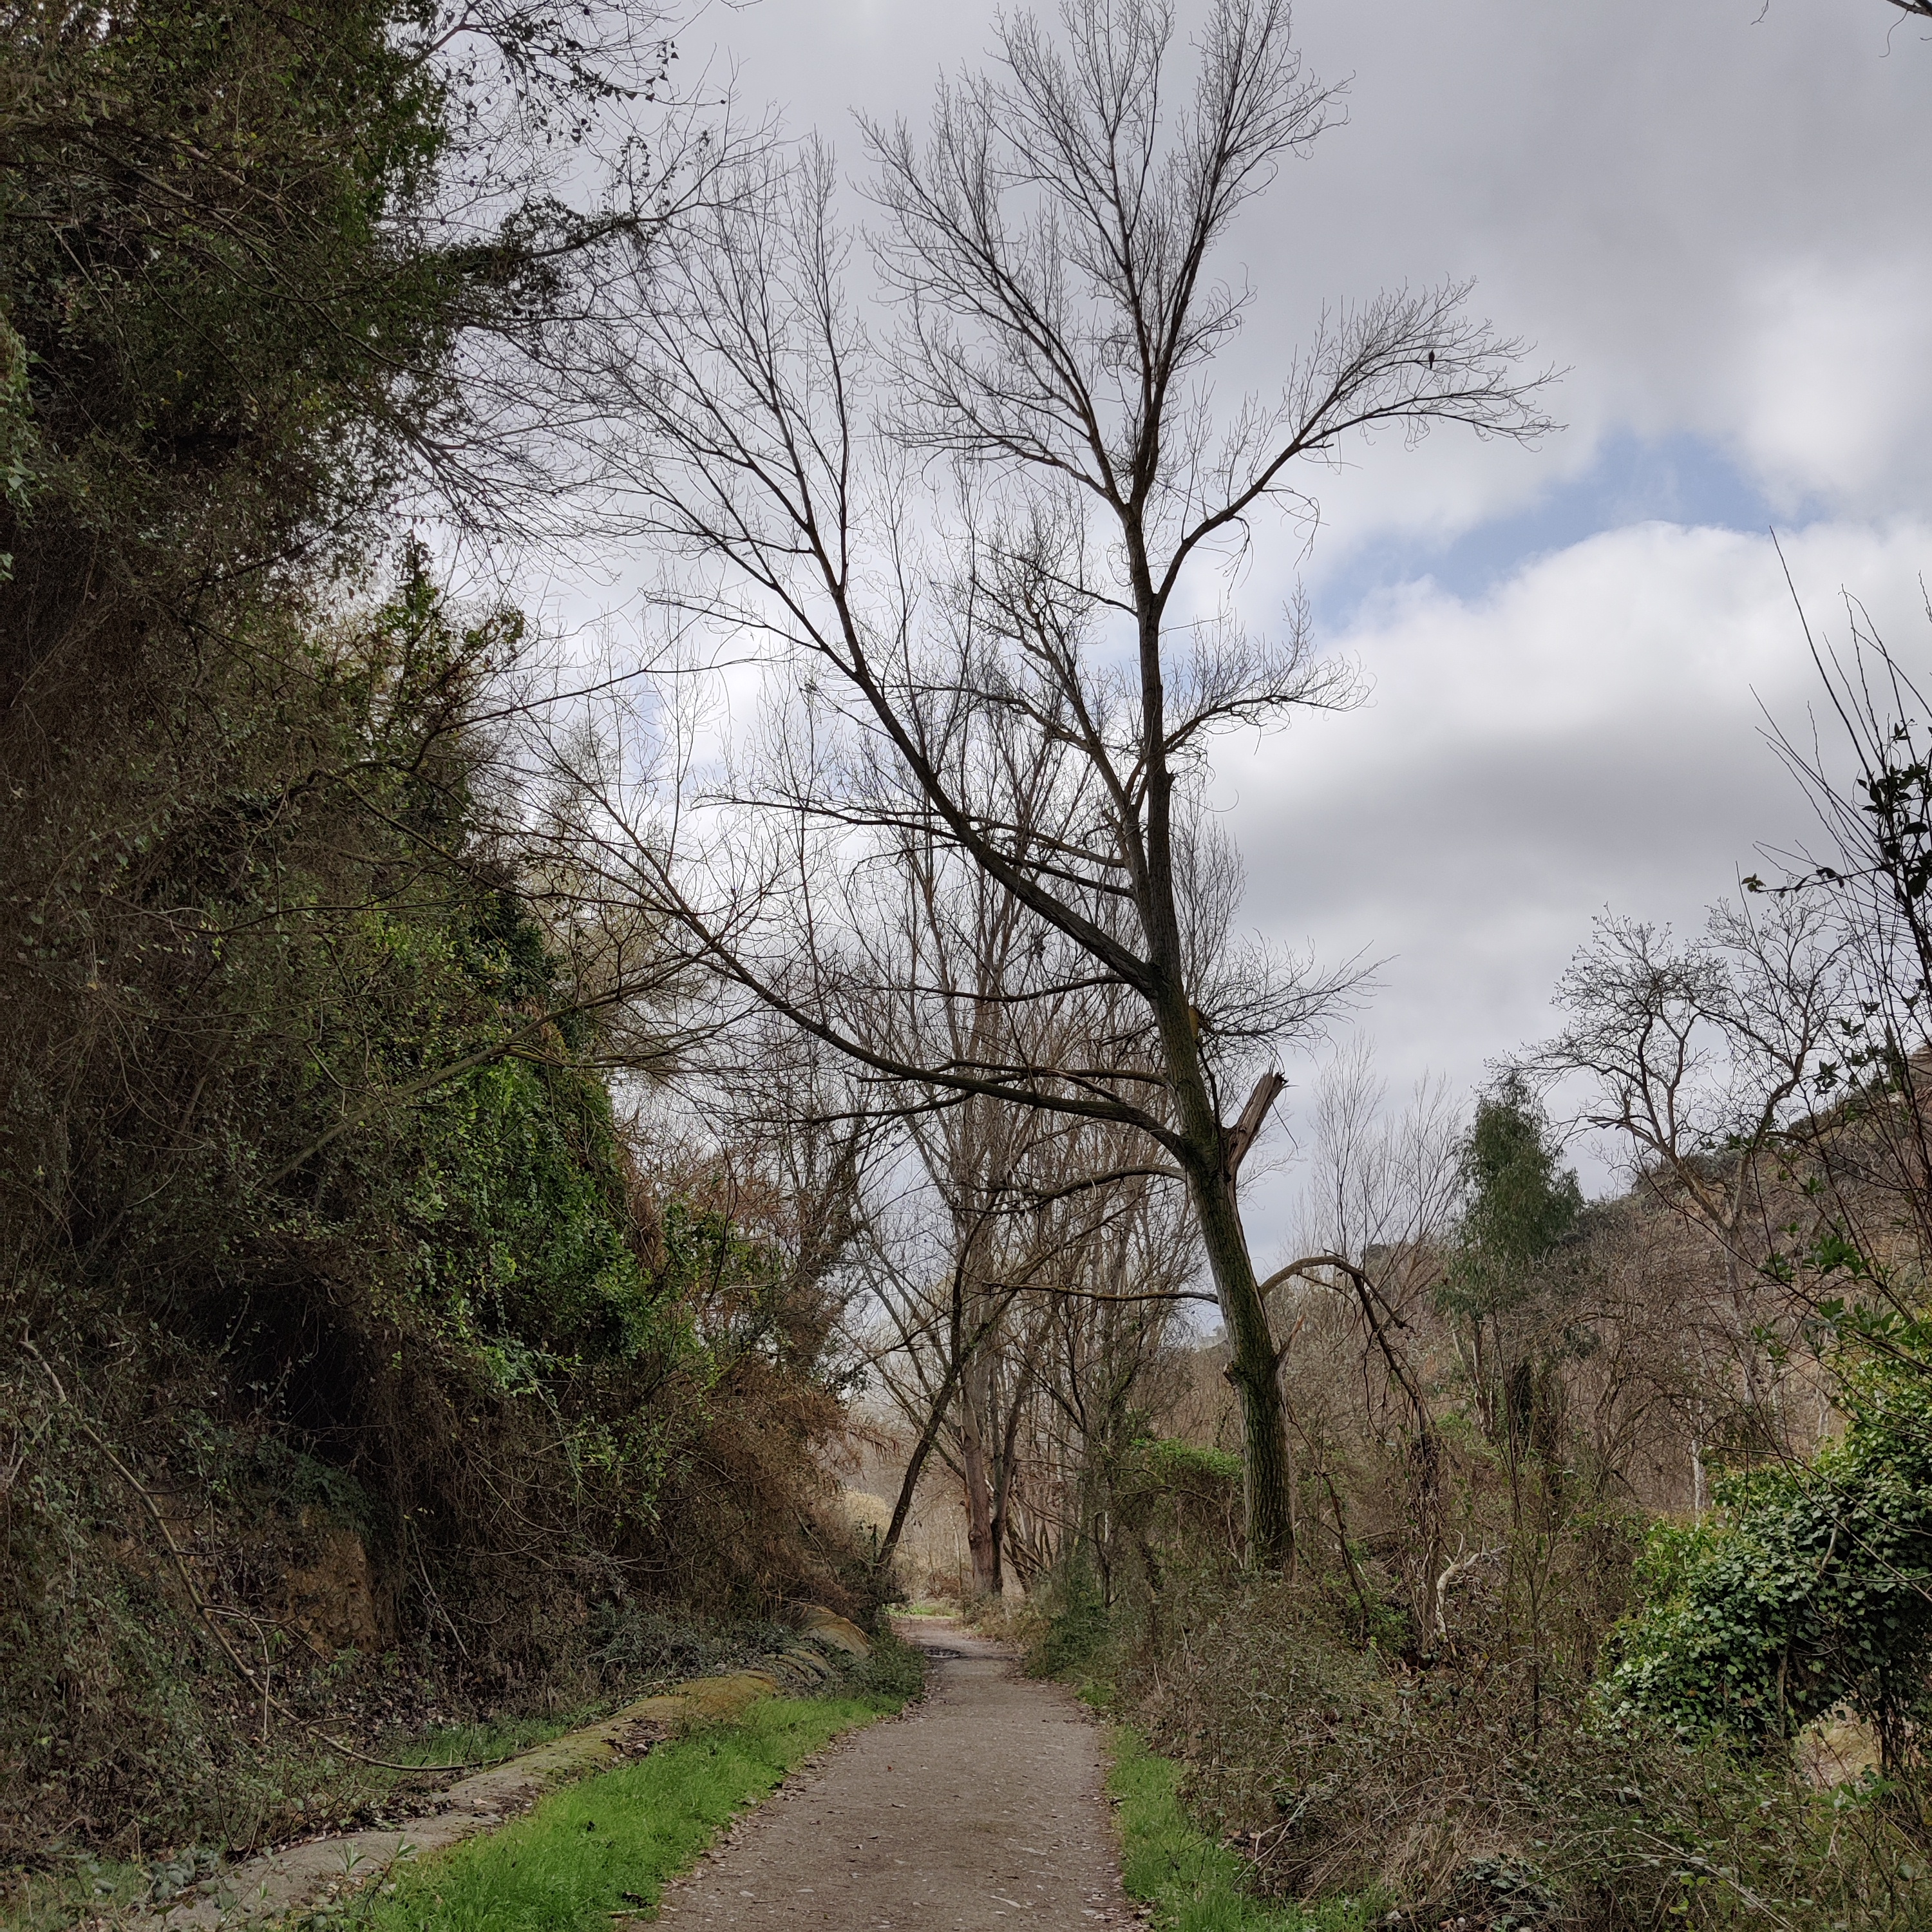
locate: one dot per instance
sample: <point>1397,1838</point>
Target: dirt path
<point>981,1806</point>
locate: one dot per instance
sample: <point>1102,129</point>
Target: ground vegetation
<point>365,1365</point>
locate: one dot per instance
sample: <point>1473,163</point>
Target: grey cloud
<point>1713,218</point>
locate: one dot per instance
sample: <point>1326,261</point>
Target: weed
<point>895,1672</point>
<point>1077,1640</point>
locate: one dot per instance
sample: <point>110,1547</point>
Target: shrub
<point>1808,1589</point>
<point>1341,1772</point>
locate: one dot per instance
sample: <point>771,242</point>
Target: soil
<point>981,1806</point>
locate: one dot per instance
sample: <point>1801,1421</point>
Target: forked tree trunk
<point>1211,1156</point>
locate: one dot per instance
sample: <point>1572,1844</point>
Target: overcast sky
<point>1712,214</point>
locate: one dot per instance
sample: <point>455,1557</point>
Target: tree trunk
<point>916,1468</point>
<point>1210,1155</point>
<point>1004,1486</point>
<point>981,1538</point>
<point>1253,1371</point>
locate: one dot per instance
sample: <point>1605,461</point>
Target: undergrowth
<point>895,1672</point>
<point>301,1787</point>
<point>1193,1883</point>
<point>1276,1773</point>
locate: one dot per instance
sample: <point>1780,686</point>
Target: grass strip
<point>605,1846</point>
<point>1193,1883</point>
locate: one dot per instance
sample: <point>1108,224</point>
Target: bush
<point>1077,1640</point>
<point>1340,1772</point>
<point>1809,1589</point>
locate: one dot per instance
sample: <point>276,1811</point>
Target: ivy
<point>1808,1589</point>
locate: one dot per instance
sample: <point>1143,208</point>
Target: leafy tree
<point>1505,1293</point>
<point>1520,1206</point>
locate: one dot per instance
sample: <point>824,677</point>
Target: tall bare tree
<point>1000,544</point>
<point>1009,1318</point>
<point>1703,1059</point>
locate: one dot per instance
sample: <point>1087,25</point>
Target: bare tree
<point>1099,1354</point>
<point>1011,1325</point>
<point>1011,1202</point>
<point>943,1290</point>
<point>994,547</point>
<point>1378,1204</point>
<point>1868,884</point>
<point>1702,1058</point>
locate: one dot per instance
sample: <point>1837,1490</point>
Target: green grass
<point>87,1886</point>
<point>607,1845</point>
<point>1194,1884</point>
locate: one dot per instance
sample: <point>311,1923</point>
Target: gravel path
<point>981,1806</point>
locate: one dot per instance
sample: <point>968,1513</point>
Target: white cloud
<point>1834,386</point>
<point>1586,736</point>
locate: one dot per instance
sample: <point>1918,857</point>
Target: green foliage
<point>518,1214</point>
<point>220,243</point>
<point>1508,1285</point>
<point>893,1670</point>
<point>1335,1776</point>
<point>16,427</point>
<point>1171,1501</point>
<point>205,214</point>
<point>1172,1464</point>
<point>1519,1204</point>
<point>311,1192</point>
<point>1078,1636</point>
<point>1806,1590</point>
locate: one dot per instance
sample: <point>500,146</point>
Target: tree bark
<point>1253,1369</point>
<point>1003,1485</point>
<point>1212,1156</point>
<point>981,1538</point>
